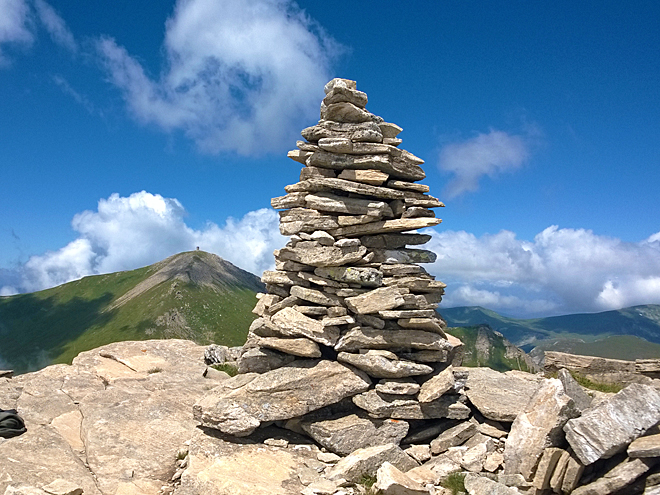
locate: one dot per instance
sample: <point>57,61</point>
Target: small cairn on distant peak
<point>348,296</point>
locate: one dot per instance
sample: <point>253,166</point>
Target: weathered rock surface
<point>537,427</point>
<point>367,461</point>
<point>609,427</point>
<point>349,433</point>
<point>478,485</point>
<point>499,396</point>
<point>121,408</point>
<point>618,478</point>
<point>287,392</point>
<point>391,481</point>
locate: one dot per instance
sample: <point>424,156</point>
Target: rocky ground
<point>120,420</point>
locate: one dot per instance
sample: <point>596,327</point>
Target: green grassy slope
<point>194,295</point>
<point>629,333</point>
<point>483,347</point>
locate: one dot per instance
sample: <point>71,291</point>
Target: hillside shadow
<point>34,331</point>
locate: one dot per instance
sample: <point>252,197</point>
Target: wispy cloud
<point>560,271</point>
<point>19,22</point>
<point>55,25</point>
<point>15,25</point>
<point>67,89</point>
<point>239,75</point>
<point>134,231</point>
<point>485,154</point>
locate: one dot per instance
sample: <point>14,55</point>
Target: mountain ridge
<point>169,299</point>
<point>627,333</point>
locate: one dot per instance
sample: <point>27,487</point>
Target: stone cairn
<point>348,348</point>
<point>346,286</point>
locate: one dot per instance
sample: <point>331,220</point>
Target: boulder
<point>537,427</point>
<point>391,481</point>
<point>287,392</point>
<point>437,385</point>
<point>478,485</point>
<point>453,436</point>
<point>349,433</point>
<point>378,366</point>
<point>612,425</point>
<point>499,396</point>
<point>617,478</point>
<point>367,461</point>
<point>648,446</point>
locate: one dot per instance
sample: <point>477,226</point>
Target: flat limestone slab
<point>283,393</point>
<point>612,425</point>
<point>498,396</point>
<point>385,226</point>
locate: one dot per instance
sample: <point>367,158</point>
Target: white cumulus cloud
<point>560,271</point>
<point>239,75</point>
<point>129,232</point>
<point>486,154</point>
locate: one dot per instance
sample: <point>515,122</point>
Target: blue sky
<point>130,131</point>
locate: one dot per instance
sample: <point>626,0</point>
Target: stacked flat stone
<point>347,287</point>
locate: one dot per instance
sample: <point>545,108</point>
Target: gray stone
<point>349,433</point>
<point>261,360</point>
<point>398,167</point>
<point>325,201</point>
<point>391,481</point>
<point>404,255</point>
<point>316,296</point>
<point>372,177</point>
<point>292,323</point>
<point>298,347</point>
<point>396,241</point>
<point>537,427</point>
<point>283,393</point>
<point>380,299</point>
<point>398,407</point>
<point>574,390</point>
<point>609,427</point>
<point>292,200</point>
<point>398,386</point>
<point>498,396</point>
<point>437,385</point>
<point>318,184</point>
<point>367,461</point>
<point>648,446</point>
<point>395,340</point>
<point>322,255</point>
<point>384,226</point>
<point>546,467</point>
<point>363,132</point>
<point>378,366</point>
<point>572,474</point>
<point>434,325</point>
<point>617,478</point>
<point>479,485</point>
<point>474,458</point>
<point>345,112</point>
<point>338,94</point>
<point>366,277</point>
<point>453,437</point>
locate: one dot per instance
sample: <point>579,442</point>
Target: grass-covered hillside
<point>629,333</point>
<point>485,347</point>
<point>193,295</point>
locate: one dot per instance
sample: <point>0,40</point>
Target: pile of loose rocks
<point>349,351</point>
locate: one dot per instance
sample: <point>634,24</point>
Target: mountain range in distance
<point>628,333</point>
<point>201,297</point>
